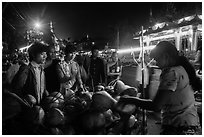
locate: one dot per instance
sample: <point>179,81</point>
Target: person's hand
<point>46,93</point>
<point>125,99</point>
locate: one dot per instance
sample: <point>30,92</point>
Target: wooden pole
<point>144,117</point>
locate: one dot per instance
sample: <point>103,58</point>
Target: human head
<point>37,52</point>
<point>95,52</point>
<point>70,52</point>
<point>114,56</point>
<point>51,54</point>
<point>165,54</point>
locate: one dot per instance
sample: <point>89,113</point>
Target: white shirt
<point>70,69</point>
<point>40,79</point>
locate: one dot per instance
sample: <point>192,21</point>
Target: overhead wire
<point>18,13</point>
<point>9,23</point>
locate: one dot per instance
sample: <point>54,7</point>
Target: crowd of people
<point>45,73</point>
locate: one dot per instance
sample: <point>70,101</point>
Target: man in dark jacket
<point>52,81</point>
<point>30,79</point>
<point>96,70</point>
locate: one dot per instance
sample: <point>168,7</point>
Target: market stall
<point>184,33</point>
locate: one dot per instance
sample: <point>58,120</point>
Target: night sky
<point>77,19</point>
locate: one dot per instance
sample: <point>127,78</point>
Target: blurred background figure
<point>114,68</point>
<point>68,71</point>
<point>96,68</point>
<point>80,59</point>
<point>198,58</point>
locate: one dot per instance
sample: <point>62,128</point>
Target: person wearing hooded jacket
<point>175,97</point>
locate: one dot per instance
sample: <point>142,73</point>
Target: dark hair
<point>69,49</point>
<point>94,48</point>
<point>49,50</point>
<point>35,49</point>
<point>195,82</point>
<point>167,48</point>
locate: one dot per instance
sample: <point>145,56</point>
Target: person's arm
<point>160,99</point>
<point>108,69</point>
<point>168,84</point>
<point>62,77</point>
<point>120,66</point>
<point>78,76</point>
<point>46,93</point>
<point>121,69</point>
<point>19,80</point>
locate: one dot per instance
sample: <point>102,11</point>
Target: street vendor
<point>175,96</point>
<point>68,71</point>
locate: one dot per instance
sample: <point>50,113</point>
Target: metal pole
<point>144,120</point>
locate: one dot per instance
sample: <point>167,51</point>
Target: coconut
<point>131,121</point>
<point>55,117</point>
<point>125,108</point>
<point>109,89</point>
<point>31,100</point>
<point>87,96</point>
<point>131,91</point>
<point>109,116</point>
<point>50,102</point>
<point>116,129</point>
<point>35,115</point>
<point>102,101</point>
<point>68,93</point>
<point>56,131</point>
<point>93,121</point>
<point>119,87</point>
<point>58,95</point>
<point>99,88</point>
